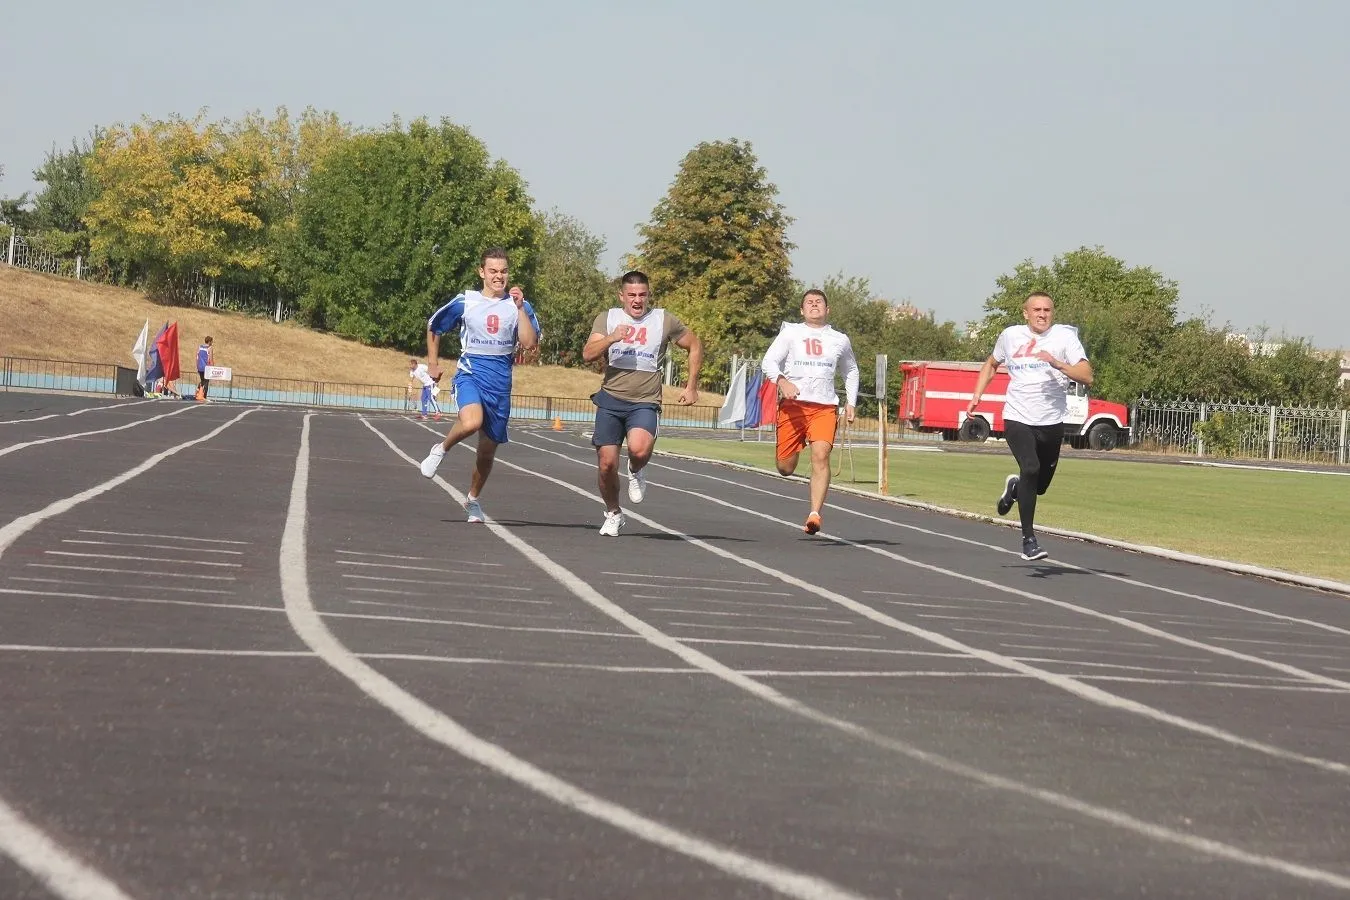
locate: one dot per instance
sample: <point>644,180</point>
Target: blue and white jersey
<point>487,335</point>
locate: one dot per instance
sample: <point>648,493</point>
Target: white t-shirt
<point>421,375</point>
<point>810,358</point>
<point>1037,390</point>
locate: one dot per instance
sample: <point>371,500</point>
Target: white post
<point>1340,456</point>
<point>1270,436</point>
<point>79,267</point>
<point>670,369</point>
<point>277,317</point>
<point>211,298</point>
<point>1200,435</point>
<point>13,239</point>
<point>882,480</point>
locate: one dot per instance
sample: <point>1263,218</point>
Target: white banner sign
<point>218,373</point>
<point>881,376</point>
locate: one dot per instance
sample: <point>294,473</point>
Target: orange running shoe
<point>812,523</point>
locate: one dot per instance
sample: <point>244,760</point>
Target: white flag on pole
<point>733,408</point>
<point>138,351</point>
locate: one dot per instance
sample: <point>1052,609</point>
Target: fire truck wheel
<point>976,429</point>
<point>1103,436</point>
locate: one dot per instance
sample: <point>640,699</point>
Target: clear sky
<point>929,146</point>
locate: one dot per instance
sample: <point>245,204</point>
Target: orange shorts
<point>800,424</point>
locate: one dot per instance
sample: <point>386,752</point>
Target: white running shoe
<point>474,510</point>
<point>637,485</point>
<point>433,461</point>
<point>613,522</point>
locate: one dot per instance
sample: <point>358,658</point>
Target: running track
<point>252,653</point>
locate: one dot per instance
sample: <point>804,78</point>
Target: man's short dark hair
<point>635,277</point>
<point>1034,294</point>
<point>816,292</point>
<point>494,253</point>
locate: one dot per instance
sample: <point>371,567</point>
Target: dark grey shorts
<point>614,418</point>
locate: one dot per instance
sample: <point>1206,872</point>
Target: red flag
<point>768,402</point>
<point>167,345</point>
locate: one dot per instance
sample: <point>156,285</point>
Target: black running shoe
<point>1009,495</point>
<point>1032,550</point>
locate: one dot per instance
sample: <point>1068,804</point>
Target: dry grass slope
<point>48,317</point>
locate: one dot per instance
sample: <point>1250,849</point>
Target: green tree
<point>1294,372</point>
<point>1204,362</point>
<point>1124,314</point>
<point>14,211</point>
<point>177,198</point>
<point>569,288</point>
<point>391,223</point>
<point>717,252</point>
<point>68,187</point>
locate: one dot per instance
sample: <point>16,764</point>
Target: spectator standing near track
<point>206,356</point>
<point>631,338</point>
<point>490,324</point>
<point>427,385</point>
<point>804,361</point>
<point>1040,357</point>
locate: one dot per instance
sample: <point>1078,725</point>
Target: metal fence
<point>105,378</point>
<point>252,299</point>
<point>1314,434</point>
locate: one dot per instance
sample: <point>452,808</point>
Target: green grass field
<point>1294,522</point>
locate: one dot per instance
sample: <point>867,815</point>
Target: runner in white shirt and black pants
<point>1040,356</point>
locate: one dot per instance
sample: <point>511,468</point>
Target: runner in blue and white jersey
<point>490,324</point>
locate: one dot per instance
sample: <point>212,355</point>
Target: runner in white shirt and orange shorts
<point>804,361</point>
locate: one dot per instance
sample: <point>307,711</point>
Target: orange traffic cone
<point>557,423</point>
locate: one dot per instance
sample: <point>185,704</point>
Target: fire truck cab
<point>934,397</point>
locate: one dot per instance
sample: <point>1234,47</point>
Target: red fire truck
<point>935,395</point>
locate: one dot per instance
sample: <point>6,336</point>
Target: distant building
<point>904,310</point>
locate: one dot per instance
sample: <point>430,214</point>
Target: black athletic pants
<point>1036,449</point>
<point>202,382</point>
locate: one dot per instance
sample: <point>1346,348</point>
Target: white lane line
<point>13,448</point>
<point>824,648</point>
<point>162,601</point>
<point>33,419</point>
<point>100,584</point>
<point>586,667</point>
<point>439,727</point>
<point>739,604</point>
<point>588,594</point>
<point>1121,579</point>
<point>1298,688</point>
<point>771,630</point>
<point>1143,628</point>
<point>1067,641</point>
<point>1154,669</point>
<point>1066,683</point>
<point>416,620</point>
<point>80,412</point>
<point>156,651</point>
<point>1012,622</point>
<point>910,604</point>
<point>415,558</point>
<point>131,572</point>
<point>422,595</point>
<point>1129,654</point>
<point>927,596</point>
<point>51,864</point>
<point>689,578</point>
<point>1292,645</point>
<point>452,584</point>
<point>777,617</point>
<point>717,590</point>
<point>161,546</point>
<point>399,566</point>
<point>467,612</point>
<point>160,559</point>
<point>175,537</point>
<point>22,525</point>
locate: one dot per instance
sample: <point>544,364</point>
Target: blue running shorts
<point>496,406</point>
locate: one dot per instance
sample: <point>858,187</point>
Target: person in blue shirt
<point>205,357</point>
<point>491,323</point>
